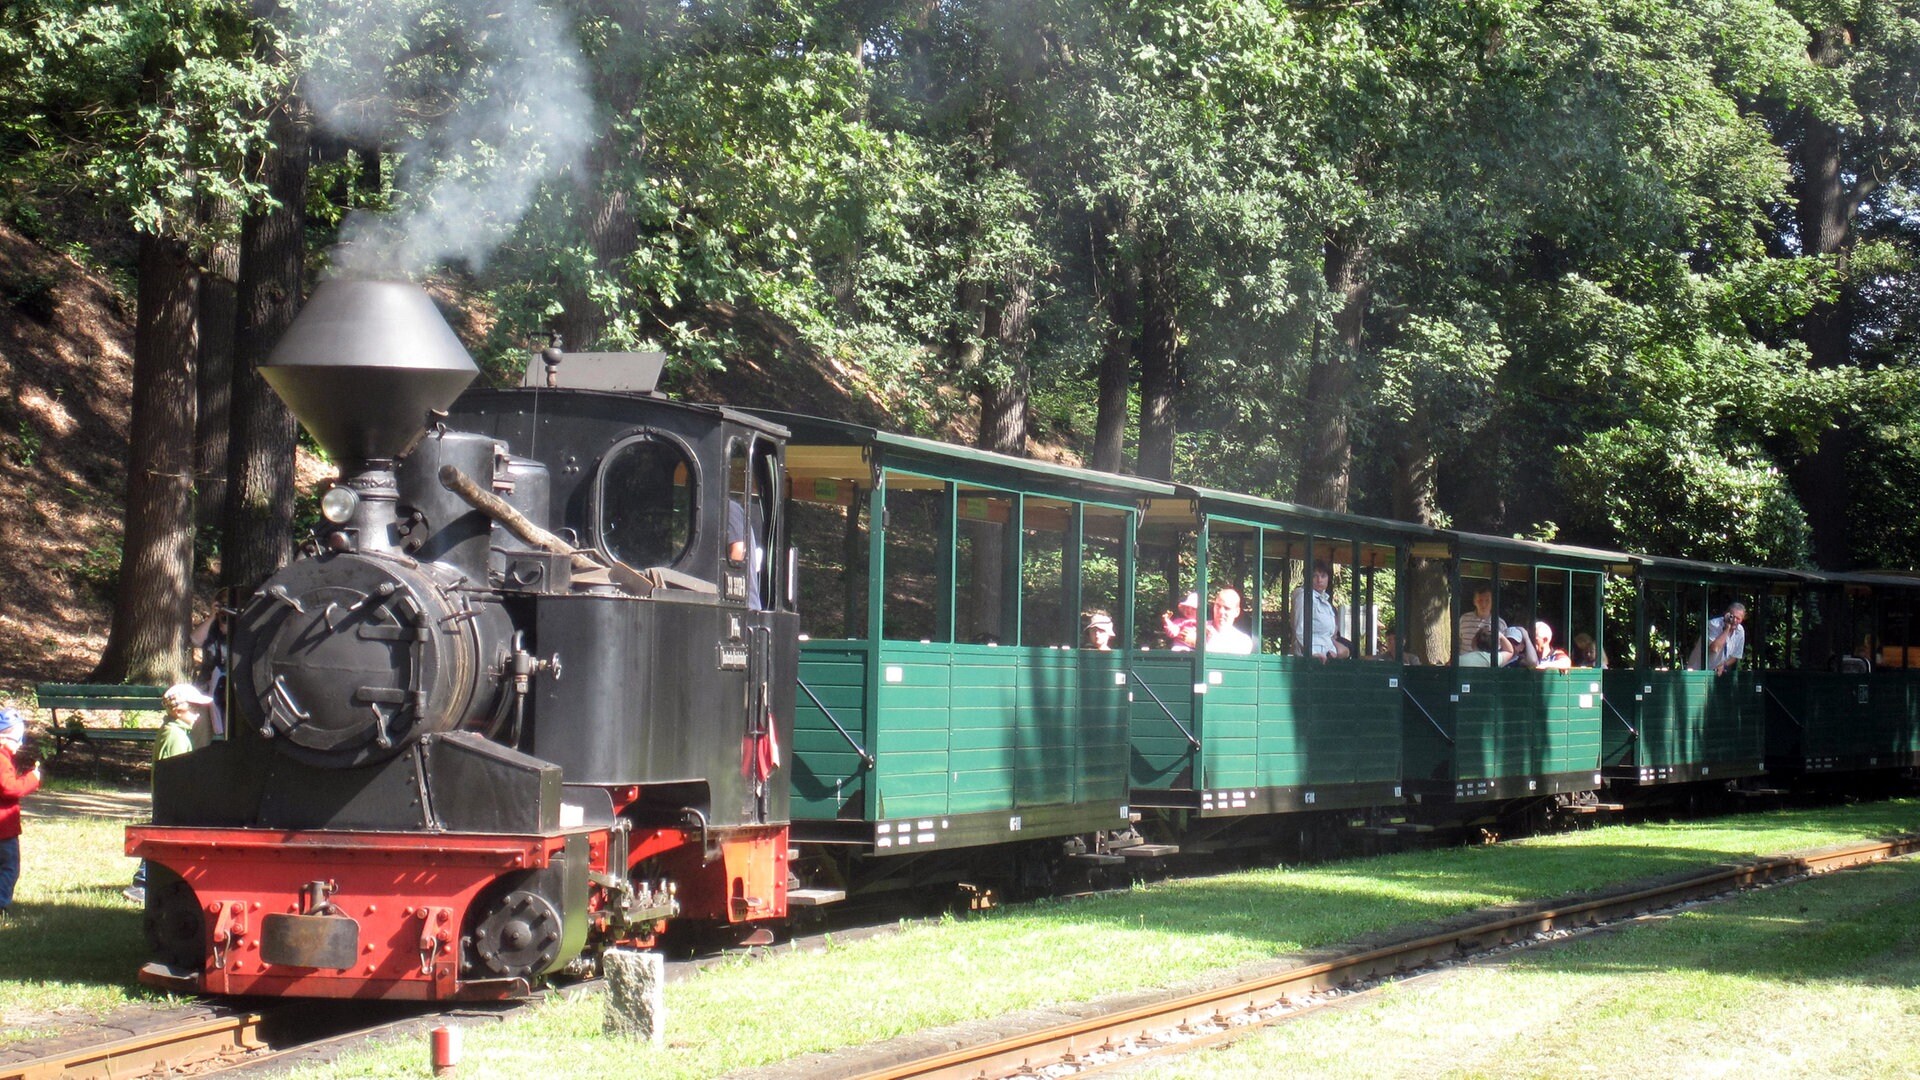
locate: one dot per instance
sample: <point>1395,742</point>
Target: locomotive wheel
<point>176,931</point>
<point>519,936</point>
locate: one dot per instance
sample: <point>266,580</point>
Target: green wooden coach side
<point>1501,733</point>
<point>1223,735</point>
<point>1277,733</point>
<point>908,735</point>
<point>1679,726</point>
<point>1822,721</point>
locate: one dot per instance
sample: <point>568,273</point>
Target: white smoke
<point>483,98</point>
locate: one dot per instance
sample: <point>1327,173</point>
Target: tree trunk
<point>153,603</point>
<point>606,221</point>
<point>1326,445</point>
<point>1426,626</point>
<point>1007,324</point>
<point>1003,402</point>
<point>1159,366</point>
<point>1826,202</point>
<point>1118,278</point>
<point>258,537</point>
<point>215,377</point>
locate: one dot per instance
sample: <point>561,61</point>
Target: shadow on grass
<point>1852,929</point>
<point>1283,910</point>
<point>86,936</point>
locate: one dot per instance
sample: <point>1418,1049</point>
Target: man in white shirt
<point>1726,641</point>
<point>1222,635</point>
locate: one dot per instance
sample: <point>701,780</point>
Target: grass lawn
<point>1820,979</point>
<point>72,943</point>
<point>928,975</point>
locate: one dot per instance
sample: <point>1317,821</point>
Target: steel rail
<point>167,1049</point>
<point>1028,1052</point>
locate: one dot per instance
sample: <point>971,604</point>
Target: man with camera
<point>1726,641</point>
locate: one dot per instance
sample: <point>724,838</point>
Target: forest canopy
<point>1637,274</point>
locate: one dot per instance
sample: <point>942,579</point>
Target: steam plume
<point>485,99</point>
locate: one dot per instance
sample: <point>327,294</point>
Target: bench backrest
<point>100,696</point>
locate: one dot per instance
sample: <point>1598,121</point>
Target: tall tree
<point>1853,130</point>
<point>151,605</point>
<point>258,535</point>
<point>163,154</point>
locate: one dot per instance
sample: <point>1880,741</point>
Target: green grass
<point>72,943</point>
<point>1819,979</point>
<point>744,1014</point>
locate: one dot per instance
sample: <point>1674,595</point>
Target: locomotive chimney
<point>363,365</point>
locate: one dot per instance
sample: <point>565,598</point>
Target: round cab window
<point>646,503</point>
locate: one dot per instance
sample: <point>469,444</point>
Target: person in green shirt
<point>188,721</point>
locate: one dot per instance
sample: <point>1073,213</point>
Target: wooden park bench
<point>96,697</point>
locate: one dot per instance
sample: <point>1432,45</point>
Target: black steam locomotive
<point>528,695</point>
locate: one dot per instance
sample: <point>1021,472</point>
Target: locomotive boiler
<point>523,697</point>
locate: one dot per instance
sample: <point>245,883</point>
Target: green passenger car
<point>947,697</point>
<point>1221,733</point>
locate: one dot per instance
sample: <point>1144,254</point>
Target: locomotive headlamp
<point>337,504</point>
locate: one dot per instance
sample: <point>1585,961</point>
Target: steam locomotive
<point>465,745</point>
<point>542,686</point>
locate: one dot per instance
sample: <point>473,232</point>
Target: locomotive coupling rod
<point>516,522</point>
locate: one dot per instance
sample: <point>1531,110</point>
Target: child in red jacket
<point>13,787</point>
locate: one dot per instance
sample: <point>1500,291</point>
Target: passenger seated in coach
<point>1481,655</point>
<point>1223,636</point>
<point>1584,653</point>
<point>1551,655</point>
<point>1481,615</point>
<point>1099,633</point>
<point>1183,630</point>
<point>1516,649</point>
<point>1314,620</point>
<point>1390,649</point>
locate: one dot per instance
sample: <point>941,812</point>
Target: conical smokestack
<point>364,363</point>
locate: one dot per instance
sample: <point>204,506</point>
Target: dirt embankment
<point>66,366</point>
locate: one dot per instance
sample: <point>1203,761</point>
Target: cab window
<point>647,499</point>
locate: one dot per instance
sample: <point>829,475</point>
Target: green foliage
<point>152,104</point>
<point>1686,497</point>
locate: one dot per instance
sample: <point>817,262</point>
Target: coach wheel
<point>176,932</point>
<point>518,937</point>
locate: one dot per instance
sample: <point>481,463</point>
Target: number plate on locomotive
<point>314,941</point>
<point>733,657</point>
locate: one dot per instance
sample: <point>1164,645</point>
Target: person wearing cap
<point>188,727</point>
<point>1516,648</point>
<point>1099,635</point>
<point>1183,630</point>
<point>14,786</point>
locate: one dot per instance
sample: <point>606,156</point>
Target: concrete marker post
<point>636,1003</point>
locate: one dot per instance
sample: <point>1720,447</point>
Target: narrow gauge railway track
<point>218,1039</point>
<point>213,1039</point>
<point>200,1042</point>
<point>1189,1022</point>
